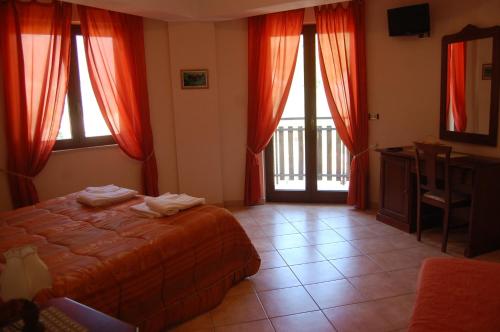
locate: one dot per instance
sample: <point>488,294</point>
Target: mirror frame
<point>471,32</point>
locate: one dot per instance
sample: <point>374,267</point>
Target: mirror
<point>469,87</point>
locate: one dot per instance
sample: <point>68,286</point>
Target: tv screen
<point>410,20</point>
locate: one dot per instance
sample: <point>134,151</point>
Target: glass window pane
<point>289,138</point>
<point>65,129</point>
<point>93,121</point>
<point>333,160</point>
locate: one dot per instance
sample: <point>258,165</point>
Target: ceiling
<point>200,10</point>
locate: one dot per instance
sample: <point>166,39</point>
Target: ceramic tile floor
<point>325,268</point>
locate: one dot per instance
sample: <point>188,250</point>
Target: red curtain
<point>114,46</point>
<point>341,36</point>
<point>35,47</point>
<point>455,92</point>
<point>273,42</point>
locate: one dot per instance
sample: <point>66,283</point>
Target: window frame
<point>75,108</point>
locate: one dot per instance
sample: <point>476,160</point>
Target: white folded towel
<point>103,189</point>
<point>169,204</point>
<point>103,197</point>
<point>143,210</point>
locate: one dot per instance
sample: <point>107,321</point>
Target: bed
<point>152,273</point>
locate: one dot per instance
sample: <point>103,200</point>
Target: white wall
<point>196,111</point>
<point>404,75</point>
<point>160,103</point>
<point>232,59</point>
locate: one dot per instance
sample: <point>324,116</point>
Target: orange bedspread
<point>150,272</point>
<point>457,295</point>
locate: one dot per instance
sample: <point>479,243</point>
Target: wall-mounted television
<point>409,20</point>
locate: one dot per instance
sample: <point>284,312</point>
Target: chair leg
<point>446,219</point>
<point>419,221</point>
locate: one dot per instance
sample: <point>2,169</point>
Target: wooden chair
<point>434,191</point>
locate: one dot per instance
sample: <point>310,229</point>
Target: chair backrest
<point>429,154</point>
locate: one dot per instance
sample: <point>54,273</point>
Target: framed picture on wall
<point>194,78</point>
<point>487,71</point>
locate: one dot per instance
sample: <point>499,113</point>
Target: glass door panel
<point>332,157</point>
<point>306,160</point>
<point>289,137</point>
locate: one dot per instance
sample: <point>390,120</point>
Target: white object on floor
<point>143,210</point>
<point>103,198</point>
<point>169,204</point>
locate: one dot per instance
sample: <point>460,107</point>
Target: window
<point>82,124</point>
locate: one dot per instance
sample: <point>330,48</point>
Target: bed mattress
<point>152,273</point>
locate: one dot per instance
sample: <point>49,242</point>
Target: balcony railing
<point>332,162</point>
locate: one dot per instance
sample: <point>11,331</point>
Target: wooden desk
<point>476,176</point>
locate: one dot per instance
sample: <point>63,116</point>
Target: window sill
<point>83,148</point>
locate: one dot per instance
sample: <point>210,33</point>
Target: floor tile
<point>404,240</point>
<point>201,323</point>
<point>407,278</point>
<point>301,255</point>
<point>259,325</point>
<point>355,266</point>
<point>359,317</point>
<point>323,237</point>
<point>366,218</point>
<point>267,219</point>
<point>355,233</point>
<point>278,229</point>
<point>302,215</point>
<point>254,232</point>
<point>373,245</point>
<point>271,259</point>
<point>310,226</point>
<point>289,241</point>
<point>342,222</point>
<point>334,293</point>
<point>397,310</point>
<point>383,229</point>
<point>262,244</point>
<point>238,309</point>
<point>378,285</point>
<point>331,211</point>
<point>309,321</point>
<point>338,250</point>
<point>287,301</point>
<point>316,272</point>
<point>246,286</point>
<point>247,221</point>
<point>395,260</point>
<point>421,253</point>
<point>280,277</point>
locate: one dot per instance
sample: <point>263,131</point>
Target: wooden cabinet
<point>396,193</point>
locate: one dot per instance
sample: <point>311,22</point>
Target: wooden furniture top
<point>456,158</point>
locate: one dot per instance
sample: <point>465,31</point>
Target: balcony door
<point>306,161</point>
